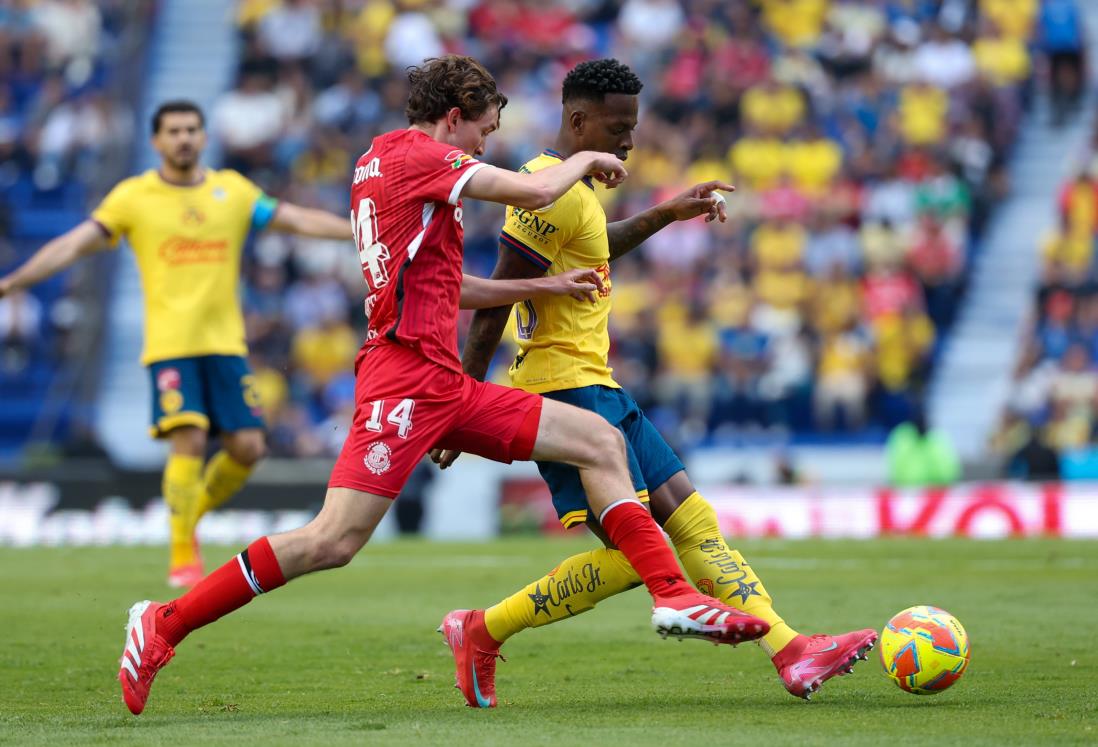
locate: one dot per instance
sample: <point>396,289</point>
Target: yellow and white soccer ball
<point>924,649</point>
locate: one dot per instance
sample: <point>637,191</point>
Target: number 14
<point>400,416</point>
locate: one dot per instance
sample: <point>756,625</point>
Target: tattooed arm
<point>626,235</point>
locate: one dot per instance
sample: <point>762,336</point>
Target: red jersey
<point>406,215</point>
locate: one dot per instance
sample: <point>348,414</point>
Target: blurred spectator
<point>292,30</point>
<point>20,328</point>
<point>920,457</point>
<point>842,381</point>
<point>1061,38</point>
<point>249,119</point>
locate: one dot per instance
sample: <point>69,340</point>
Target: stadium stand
<point>1048,427</point>
<point>65,132</point>
<point>867,139</point>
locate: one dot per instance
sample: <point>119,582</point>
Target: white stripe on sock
<point>615,504</point>
<point>247,576</point>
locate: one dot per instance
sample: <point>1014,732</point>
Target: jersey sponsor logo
<point>378,457</point>
<point>604,272</point>
<point>533,224</point>
<point>168,378</point>
<point>368,170</point>
<point>179,250</point>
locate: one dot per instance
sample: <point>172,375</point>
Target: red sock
<point>636,534</point>
<point>252,572</point>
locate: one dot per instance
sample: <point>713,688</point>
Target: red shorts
<point>405,405</point>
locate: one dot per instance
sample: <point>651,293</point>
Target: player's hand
<point>581,284</point>
<point>701,199</point>
<point>443,457</point>
<point>5,287</point>
<point>608,169</point>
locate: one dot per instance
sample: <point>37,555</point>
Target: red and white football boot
<point>144,654</point>
<point>696,615</point>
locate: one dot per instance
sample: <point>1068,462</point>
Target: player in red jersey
<point>411,394</point>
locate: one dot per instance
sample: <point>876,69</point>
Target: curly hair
<point>441,83</point>
<point>595,78</point>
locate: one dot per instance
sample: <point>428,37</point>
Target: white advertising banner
<point>977,510</point>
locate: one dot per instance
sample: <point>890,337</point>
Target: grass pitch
<point>351,656</point>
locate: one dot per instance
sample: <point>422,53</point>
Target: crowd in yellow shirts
<point>867,141</point>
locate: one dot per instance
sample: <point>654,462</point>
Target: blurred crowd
<point>867,140</point>
<point>1053,404</point>
<point>62,133</point>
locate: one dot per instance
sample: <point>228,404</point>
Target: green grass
<point>351,656</point>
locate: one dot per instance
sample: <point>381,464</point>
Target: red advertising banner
<point>977,510</point>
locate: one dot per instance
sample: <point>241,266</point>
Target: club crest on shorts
<point>168,379</point>
<point>377,457</point>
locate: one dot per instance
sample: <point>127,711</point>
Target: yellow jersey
<point>188,241</point>
<point>563,342</point>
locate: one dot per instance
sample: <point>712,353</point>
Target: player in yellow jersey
<point>563,355</point>
<point>187,225</point>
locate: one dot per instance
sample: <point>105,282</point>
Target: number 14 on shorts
<point>400,416</point>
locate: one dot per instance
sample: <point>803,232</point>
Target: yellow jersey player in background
<point>187,225</point>
<point>563,355</point>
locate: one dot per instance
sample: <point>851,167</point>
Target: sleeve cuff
<point>106,231</point>
<point>455,193</point>
<point>508,241</point>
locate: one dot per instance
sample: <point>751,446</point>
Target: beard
<point>183,161</point>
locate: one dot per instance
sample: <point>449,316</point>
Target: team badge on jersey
<point>458,158</point>
<point>377,458</point>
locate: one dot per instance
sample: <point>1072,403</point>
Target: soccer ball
<point>924,650</point>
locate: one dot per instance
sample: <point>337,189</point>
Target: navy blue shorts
<point>651,460</point>
<point>214,392</point>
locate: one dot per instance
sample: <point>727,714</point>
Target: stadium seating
<point>61,129</point>
<point>867,141</point>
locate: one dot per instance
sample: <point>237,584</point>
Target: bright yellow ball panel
<point>924,650</point>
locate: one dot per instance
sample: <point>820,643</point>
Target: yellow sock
<point>223,479</point>
<point>182,488</point>
<point>721,572</point>
<point>575,586</point>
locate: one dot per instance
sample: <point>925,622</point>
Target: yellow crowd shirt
<point>563,342</point>
<point>188,241</point>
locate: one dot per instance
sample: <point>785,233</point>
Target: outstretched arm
<point>478,293</point>
<point>305,221</point>
<point>702,199</point>
<point>55,256</point>
<point>489,323</point>
<point>543,187</point>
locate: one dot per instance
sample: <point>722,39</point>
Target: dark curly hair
<point>441,83</point>
<point>595,78</point>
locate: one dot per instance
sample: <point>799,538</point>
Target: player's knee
<point>188,440</point>
<point>248,450</point>
<point>336,556</point>
<point>606,442</point>
<point>332,549</point>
